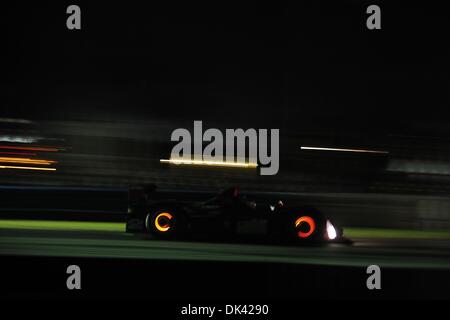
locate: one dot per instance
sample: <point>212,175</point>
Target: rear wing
<point>140,193</point>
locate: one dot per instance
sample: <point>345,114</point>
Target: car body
<point>171,215</point>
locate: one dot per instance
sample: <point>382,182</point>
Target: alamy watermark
<point>74,279</point>
<point>374,280</point>
<point>73,22</point>
<point>237,147</point>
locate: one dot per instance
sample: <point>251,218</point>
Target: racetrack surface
<point>117,265</point>
<point>420,251</point>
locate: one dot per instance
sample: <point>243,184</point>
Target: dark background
<point>112,92</point>
<point>313,65</point>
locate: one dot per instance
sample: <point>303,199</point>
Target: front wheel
<point>300,226</point>
<point>306,227</point>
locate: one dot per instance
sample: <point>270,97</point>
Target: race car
<point>171,215</point>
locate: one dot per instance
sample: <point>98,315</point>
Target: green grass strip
<point>120,227</point>
<point>63,225</point>
<point>395,233</point>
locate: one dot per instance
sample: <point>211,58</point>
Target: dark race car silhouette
<point>172,215</point>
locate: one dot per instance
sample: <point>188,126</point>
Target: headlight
<point>331,231</point>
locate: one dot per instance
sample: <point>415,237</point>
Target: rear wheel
<point>165,223</point>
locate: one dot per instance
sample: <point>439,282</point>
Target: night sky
<point>313,66</point>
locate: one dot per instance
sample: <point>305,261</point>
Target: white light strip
<point>27,168</point>
<point>343,150</point>
<point>210,163</point>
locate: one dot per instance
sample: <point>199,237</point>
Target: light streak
<point>26,161</point>
<point>344,150</point>
<point>210,163</point>
<point>27,168</point>
<point>45,149</point>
